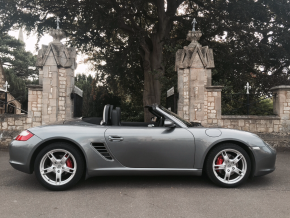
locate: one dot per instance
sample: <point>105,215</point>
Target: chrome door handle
<point>115,138</point>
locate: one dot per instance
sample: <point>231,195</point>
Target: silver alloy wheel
<point>234,166</point>
<point>53,167</point>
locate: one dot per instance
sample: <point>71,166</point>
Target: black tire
<point>216,175</point>
<point>78,158</point>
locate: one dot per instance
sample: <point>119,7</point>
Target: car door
<point>156,147</point>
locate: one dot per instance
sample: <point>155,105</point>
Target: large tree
<point>15,58</point>
<point>126,39</point>
<point>126,28</point>
<point>18,65</point>
<point>96,95</point>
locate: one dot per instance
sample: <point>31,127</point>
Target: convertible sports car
<point>62,153</point>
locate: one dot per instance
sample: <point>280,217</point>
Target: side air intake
<point>100,147</point>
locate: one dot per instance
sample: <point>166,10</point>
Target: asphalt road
<point>167,196</point>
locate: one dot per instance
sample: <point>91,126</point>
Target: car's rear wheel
<point>228,165</point>
<point>59,166</point>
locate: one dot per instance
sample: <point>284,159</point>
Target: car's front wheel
<point>59,166</point>
<point>228,165</point>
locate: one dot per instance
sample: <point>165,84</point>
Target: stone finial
<point>193,24</point>
<point>57,23</point>
<point>193,37</point>
<point>57,35</point>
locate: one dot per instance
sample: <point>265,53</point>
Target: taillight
<point>24,136</point>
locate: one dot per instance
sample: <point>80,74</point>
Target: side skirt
<point>122,171</point>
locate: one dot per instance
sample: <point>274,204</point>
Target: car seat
<point>116,117</point>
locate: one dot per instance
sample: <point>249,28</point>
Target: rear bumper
<point>265,159</point>
<point>21,153</point>
<point>264,172</point>
<point>20,166</point>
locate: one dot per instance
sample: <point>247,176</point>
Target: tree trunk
<point>152,55</point>
<point>153,70</point>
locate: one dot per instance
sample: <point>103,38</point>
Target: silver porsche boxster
<point>62,153</point>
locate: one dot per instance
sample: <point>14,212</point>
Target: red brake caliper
<point>219,161</point>
<point>69,163</point>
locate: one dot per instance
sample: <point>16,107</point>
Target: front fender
<point>205,143</point>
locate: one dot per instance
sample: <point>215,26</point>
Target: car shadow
<point>145,182</point>
<point>190,182</point>
<point>30,183</point>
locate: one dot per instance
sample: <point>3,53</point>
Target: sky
<point>30,41</point>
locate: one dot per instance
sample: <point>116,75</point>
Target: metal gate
<point>78,105</point>
<point>171,100</point>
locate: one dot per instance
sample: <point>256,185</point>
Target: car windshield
<point>188,124</point>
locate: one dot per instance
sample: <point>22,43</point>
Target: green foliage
<point>10,15</point>
<point>14,57</point>
<point>18,87</point>
<point>96,96</point>
<point>18,67</point>
<point>250,38</point>
<point>265,107</point>
<point>243,104</point>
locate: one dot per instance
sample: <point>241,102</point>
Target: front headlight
<point>269,146</point>
<point>265,143</point>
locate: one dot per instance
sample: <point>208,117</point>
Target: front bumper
<point>21,153</point>
<point>265,158</point>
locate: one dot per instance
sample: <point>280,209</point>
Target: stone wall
<point>213,106</point>
<point>35,104</point>
<point>262,124</point>
<point>277,140</point>
<point>11,126</point>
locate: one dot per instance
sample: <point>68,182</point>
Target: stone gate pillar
<point>198,100</point>
<point>56,76</point>
<point>281,107</point>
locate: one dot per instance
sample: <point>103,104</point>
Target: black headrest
<point>119,115</point>
<point>111,109</point>
<point>116,117</point>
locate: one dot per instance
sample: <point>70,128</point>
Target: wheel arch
<point>242,145</point>
<point>50,141</point>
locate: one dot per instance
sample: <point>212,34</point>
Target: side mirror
<point>169,123</point>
